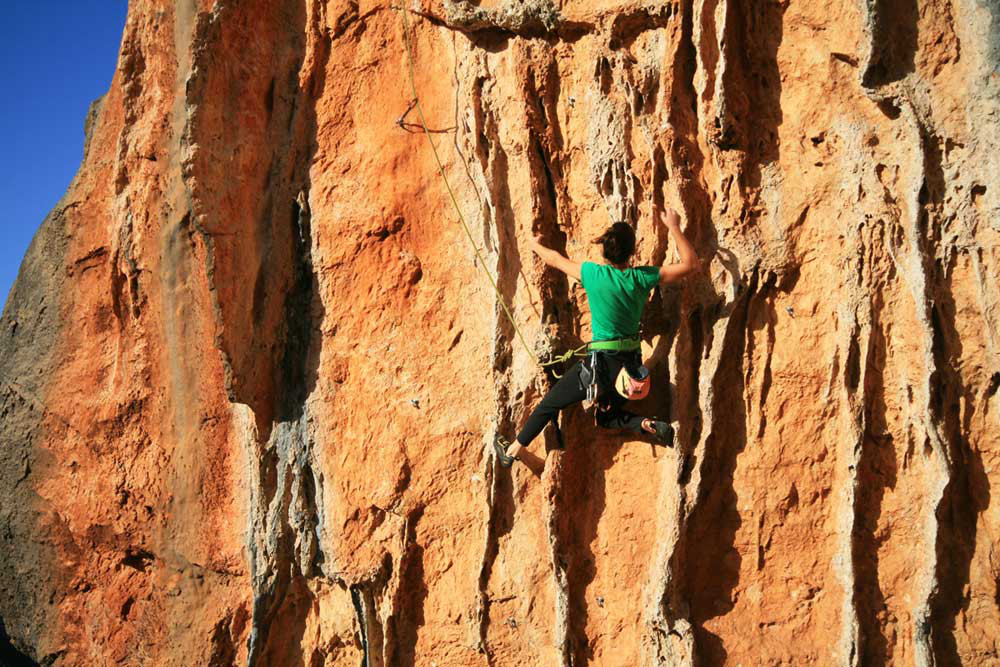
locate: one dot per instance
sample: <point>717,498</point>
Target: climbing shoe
<point>500,446</point>
<point>662,432</point>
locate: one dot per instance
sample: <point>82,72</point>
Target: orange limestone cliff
<point>251,370</point>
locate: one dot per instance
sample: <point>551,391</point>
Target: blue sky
<point>56,57</point>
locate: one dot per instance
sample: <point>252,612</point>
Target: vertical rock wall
<point>251,369</point>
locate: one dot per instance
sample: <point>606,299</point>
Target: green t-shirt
<point>617,297</point>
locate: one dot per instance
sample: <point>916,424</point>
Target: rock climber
<point>612,372</point>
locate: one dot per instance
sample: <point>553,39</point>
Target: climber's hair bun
<point>618,242</point>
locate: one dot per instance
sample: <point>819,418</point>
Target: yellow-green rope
<point>454,200</point>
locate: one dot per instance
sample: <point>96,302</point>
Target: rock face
<point>251,371</point>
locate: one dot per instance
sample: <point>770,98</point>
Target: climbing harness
<point>563,358</point>
<point>619,345</point>
<point>588,380</point>
<point>626,384</point>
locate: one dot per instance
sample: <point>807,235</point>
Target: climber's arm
<point>689,260</point>
<point>555,259</point>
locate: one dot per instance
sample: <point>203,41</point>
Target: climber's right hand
<point>671,218</point>
<point>536,244</point>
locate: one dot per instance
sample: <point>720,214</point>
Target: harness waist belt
<point>620,345</point>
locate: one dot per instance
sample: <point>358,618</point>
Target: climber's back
<point>617,297</point>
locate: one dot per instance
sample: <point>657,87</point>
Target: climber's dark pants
<point>570,390</point>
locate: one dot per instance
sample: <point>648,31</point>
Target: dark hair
<point>618,242</point>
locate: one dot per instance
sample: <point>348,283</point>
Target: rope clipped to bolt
<point>554,361</point>
<point>458,209</point>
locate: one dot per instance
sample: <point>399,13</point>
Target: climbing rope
<point>458,209</point>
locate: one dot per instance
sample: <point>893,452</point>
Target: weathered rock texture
<point>250,369</point>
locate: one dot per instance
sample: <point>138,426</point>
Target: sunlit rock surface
<point>251,372</point>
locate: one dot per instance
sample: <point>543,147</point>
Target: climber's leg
<point>611,412</point>
<point>614,416</point>
<point>565,393</point>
